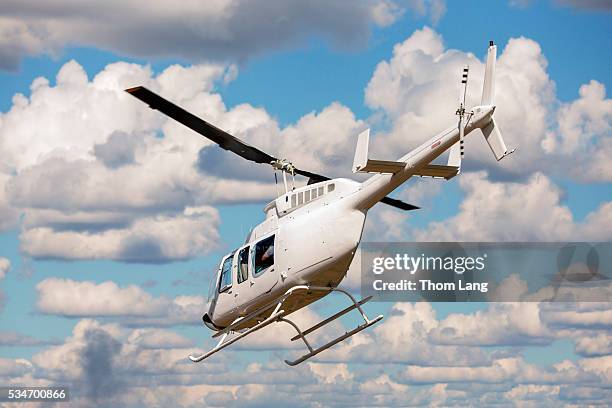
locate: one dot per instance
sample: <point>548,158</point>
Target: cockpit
<point>251,260</point>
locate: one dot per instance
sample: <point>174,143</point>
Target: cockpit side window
<point>263,255</point>
<point>243,265</point>
<point>226,275</point>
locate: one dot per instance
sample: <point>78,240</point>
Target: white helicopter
<point>303,248</point>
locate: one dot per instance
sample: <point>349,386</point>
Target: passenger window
<point>307,198</point>
<point>300,198</point>
<point>313,193</point>
<point>263,255</point>
<point>330,187</point>
<point>226,275</point>
<point>293,200</point>
<point>320,191</point>
<point>243,265</point>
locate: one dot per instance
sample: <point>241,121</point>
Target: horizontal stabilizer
<point>362,164</point>
<point>438,171</point>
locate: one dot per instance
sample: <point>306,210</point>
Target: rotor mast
<point>285,167</point>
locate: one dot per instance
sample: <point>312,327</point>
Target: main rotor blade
<point>222,138</point>
<point>394,202</point>
<point>312,177</point>
<point>229,142</point>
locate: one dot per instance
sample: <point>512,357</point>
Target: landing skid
<point>278,315</point>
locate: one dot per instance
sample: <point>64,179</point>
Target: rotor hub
<point>283,165</point>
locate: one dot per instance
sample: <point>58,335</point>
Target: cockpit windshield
<point>220,280</point>
<point>212,286</point>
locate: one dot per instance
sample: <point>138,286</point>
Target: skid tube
<point>278,316</point>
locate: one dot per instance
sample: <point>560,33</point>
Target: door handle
<point>236,294</point>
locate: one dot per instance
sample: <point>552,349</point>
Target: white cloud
<point>63,133</point>
<point>500,324</point>
<point>514,211</point>
<point>136,354</point>
<point>131,305</point>
<point>64,157</point>
<point>580,124</point>
<point>501,371</point>
<point>62,165</point>
<point>158,339</point>
<point>405,324</point>
<point>71,298</point>
<point>14,368</point>
<point>597,345</point>
<point>110,365</point>
<point>417,90</point>
<point>155,239</point>
<point>216,30</point>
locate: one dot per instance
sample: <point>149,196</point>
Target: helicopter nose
<point>208,322</point>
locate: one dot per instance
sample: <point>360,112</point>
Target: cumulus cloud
<point>131,357</point>
<point>158,339</point>
<point>515,211</point>
<point>118,150</point>
<point>14,368</point>
<point>62,133</point>
<point>500,324</point>
<point>406,324</point>
<point>217,30</point>
<point>501,371</point>
<point>63,166</point>
<point>131,304</point>
<point>417,88</point>
<point>71,298</point>
<point>147,240</point>
<point>64,157</point>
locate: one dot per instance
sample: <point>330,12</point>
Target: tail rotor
<point>457,150</point>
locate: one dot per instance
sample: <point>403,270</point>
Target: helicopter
<point>302,250</point>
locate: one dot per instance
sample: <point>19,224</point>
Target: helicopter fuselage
<point>314,233</point>
<point>310,236</point>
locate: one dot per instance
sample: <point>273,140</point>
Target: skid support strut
<point>278,315</point>
<point>302,335</point>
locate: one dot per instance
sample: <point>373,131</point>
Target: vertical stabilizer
<point>494,139</point>
<point>488,88</point>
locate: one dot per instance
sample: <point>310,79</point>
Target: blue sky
<point>315,79</point>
